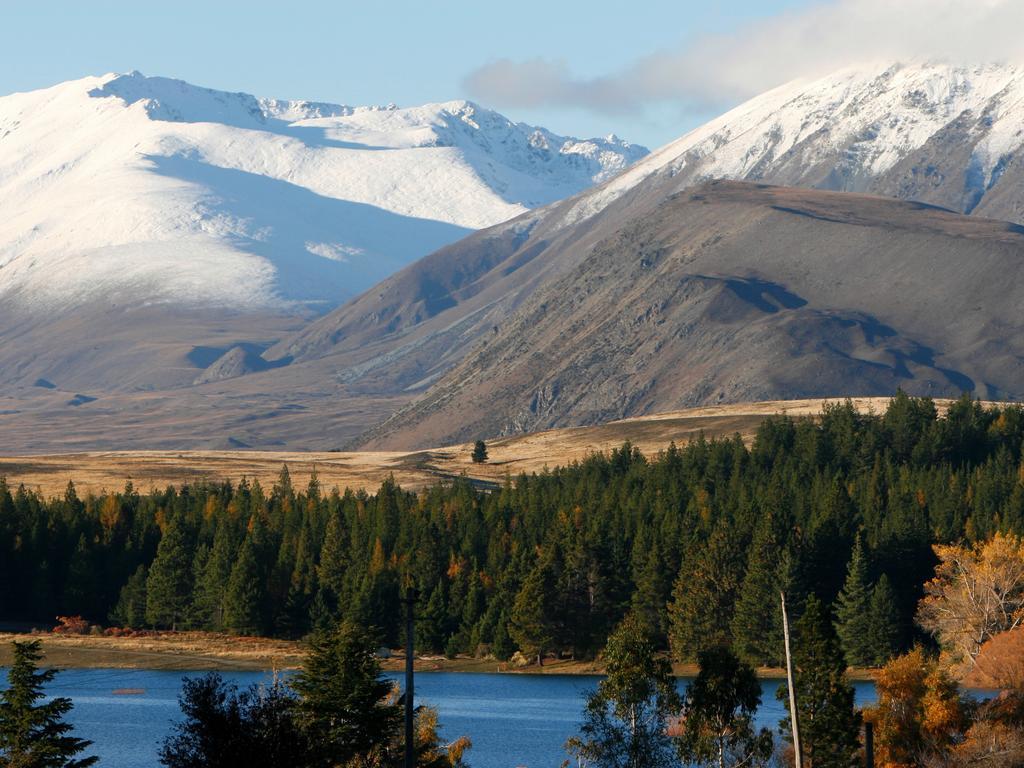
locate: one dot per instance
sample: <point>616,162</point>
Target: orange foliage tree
<point>1001,662</point>
<point>977,593</point>
<point>920,713</point>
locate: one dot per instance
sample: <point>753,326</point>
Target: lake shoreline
<point>199,651</point>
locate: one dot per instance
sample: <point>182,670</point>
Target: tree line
<point>697,541</point>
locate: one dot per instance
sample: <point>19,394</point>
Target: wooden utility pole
<point>410,624</point>
<point>792,689</point>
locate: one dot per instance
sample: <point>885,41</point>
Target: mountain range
<point>869,240</point>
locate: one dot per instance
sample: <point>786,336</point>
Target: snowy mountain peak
<point>876,128</point>
<point>164,191</point>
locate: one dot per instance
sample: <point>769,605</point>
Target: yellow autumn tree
<point>1000,665</point>
<point>920,713</point>
<point>977,593</point>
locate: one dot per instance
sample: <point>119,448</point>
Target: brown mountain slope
<point>733,292</point>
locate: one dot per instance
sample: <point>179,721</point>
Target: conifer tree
<point>169,585</point>
<point>344,708</point>
<point>213,579</point>
<point>829,724</point>
<point>651,590</point>
<point>130,610</point>
<point>884,631</point>
<point>334,559</point>
<point>704,596</point>
<point>530,626</point>
<point>853,609</point>
<point>33,734</point>
<point>244,599</point>
<point>83,585</point>
<point>757,624</point>
<point>479,455</point>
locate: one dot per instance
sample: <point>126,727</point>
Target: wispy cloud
<point>722,69</point>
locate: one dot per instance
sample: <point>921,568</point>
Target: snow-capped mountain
<point>128,188</point>
<point>932,132</point>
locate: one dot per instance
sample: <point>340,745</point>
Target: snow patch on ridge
<point>164,191</point>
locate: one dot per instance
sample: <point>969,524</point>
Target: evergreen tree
<point>530,624</point>
<point>884,630</point>
<point>479,455</point>
<point>245,597</point>
<point>625,720</point>
<point>169,585</point>
<point>757,622</point>
<point>130,610</point>
<point>853,609</point>
<point>83,585</point>
<point>704,596</point>
<point>32,734</point>
<point>213,579</point>
<point>344,708</point>
<point>718,714</point>
<point>829,723</point>
<point>334,559</point>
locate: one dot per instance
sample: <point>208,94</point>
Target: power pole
<point>792,690</point>
<point>410,623</point>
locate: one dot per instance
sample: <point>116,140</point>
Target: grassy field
<point>110,470</point>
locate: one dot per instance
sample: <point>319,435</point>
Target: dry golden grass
<point>93,472</point>
<point>166,650</point>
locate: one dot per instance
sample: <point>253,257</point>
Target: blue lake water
<point>513,720</point>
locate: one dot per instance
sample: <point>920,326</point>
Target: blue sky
<point>402,52</point>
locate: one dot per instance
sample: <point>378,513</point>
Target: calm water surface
<point>513,720</point>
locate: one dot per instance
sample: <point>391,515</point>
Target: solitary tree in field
<point>479,455</point>
<point>625,723</point>
<point>34,735</point>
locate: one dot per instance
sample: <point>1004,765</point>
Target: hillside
<point>152,226</point>
<point>727,293</point>
<point>96,471</point>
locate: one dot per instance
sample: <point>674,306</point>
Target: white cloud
<point>722,69</point>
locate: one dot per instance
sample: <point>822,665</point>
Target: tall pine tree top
<point>31,734</point>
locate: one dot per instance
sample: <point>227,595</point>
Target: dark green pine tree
<point>343,698</point>
<point>32,734</point>
<point>829,723</point>
<point>757,622</point>
<point>169,586</point>
<point>530,625</point>
<point>479,454</point>
<point>245,597</point>
<point>212,583</point>
<point>884,627</point>
<point>130,610</point>
<point>82,589</point>
<point>853,615</point>
<point>652,587</point>
<point>334,560</point>
<point>704,596</point>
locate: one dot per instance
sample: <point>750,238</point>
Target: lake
<point>513,720</point>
